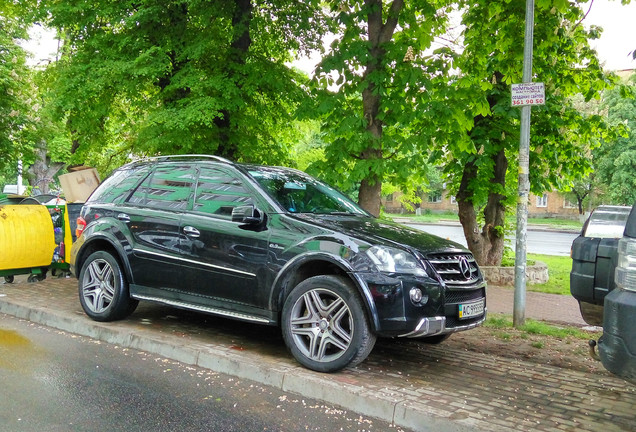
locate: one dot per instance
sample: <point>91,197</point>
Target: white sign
<point>528,94</point>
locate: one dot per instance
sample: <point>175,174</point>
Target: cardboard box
<point>78,185</point>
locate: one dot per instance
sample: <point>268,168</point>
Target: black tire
<point>437,339</point>
<point>9,279</point>
<point>36,277</point>
<point>103,288</point>
<point>325,326</point>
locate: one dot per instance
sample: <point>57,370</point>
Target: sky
<point>614,48</point>
<point>619,33</point>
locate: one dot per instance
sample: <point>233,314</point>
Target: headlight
<point>393,260</point>
<point>625,276</point>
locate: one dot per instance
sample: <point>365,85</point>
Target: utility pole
<point>519,310</point>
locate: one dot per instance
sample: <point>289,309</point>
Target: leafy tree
<point>48,138</point>
<point>14,79</point>
<point>580,192</point>
<point>615,160</point>
<point>376,121</point>
<point>184,76</point>
<point>480,164</point>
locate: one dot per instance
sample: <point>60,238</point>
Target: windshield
<point>299,193</point>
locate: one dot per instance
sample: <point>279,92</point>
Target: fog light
<point>416,295</point>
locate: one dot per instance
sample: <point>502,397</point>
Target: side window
<point>169,187</point>
<point>118,186</point>
<point>218,192</point>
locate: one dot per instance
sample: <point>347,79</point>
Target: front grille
<point>459,269</point>
<point>464,296</point>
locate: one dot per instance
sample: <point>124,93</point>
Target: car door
<point>152,214</point>
<point>228,261</point>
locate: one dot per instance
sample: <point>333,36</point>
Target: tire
<point>437,339</point>
<point>9,279</point>
<point>325,326</point>
<point>36,277</point>
<point>103,289</point>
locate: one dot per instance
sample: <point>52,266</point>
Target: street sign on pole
<point>519,308</point>
<point>532,93</point>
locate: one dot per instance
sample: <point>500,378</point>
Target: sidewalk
<point>560,309</point>
<point>414,385</point>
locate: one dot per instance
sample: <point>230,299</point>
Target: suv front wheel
<point>325,326</point>
<point>103,289</point>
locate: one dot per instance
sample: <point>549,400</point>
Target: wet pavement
<point>414,385</point>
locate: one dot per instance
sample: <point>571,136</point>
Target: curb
<point>285,376</point>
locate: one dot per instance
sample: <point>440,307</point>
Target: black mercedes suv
<point>269,245</point>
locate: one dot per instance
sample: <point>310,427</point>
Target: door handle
<point>191,231</point>
<point>123,217</point>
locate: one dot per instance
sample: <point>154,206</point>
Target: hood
<point>383,232</point>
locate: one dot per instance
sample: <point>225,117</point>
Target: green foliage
<point>14,83</point>
<point>481,164</point>
<point>560,134</point>
<point>615,160</point>
<point>163,77</point>
<point>374,97</point>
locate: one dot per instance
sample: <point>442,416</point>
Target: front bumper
<point>437,325</point>
<point>399,316</point>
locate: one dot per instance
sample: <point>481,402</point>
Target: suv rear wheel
<point>325,326</point>
<point>103,289</point>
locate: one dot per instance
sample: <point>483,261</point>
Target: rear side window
<point>169,187</point>
<point>607,222</point>
<point>218,192</point>
<point>117,187</point>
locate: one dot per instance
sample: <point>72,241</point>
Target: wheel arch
<point>307,266</point>
<point>107,244</point>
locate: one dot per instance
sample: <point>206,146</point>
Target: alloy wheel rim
<point>98,286</point>
<point>321,325</point>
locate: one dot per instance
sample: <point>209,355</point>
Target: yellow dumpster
<point>26,239</point>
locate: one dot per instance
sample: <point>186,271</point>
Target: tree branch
<point>391,22</point>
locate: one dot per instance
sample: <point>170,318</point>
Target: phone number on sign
<point>537,101</point>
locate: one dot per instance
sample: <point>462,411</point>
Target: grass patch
<point>502,322</point>
<point>555,223</point>
<point>559,274</point>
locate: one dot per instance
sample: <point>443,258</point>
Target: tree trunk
<point>241,43</point>
<point>41,173</point>
<point>488,244</point>
<point>379,33</point>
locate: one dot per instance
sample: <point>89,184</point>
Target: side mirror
<point>248,215</point>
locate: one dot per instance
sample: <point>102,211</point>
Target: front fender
<point>297,269</point>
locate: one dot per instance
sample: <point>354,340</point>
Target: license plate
<point>470,310</point>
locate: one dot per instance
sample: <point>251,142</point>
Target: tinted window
<point>168,187</point>
<point>218,192</point>
<point>118,186</point>
<point>300,193</point>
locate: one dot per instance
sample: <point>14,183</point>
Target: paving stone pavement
<point>418,386</point>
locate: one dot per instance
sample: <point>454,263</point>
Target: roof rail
<point>193,156</point>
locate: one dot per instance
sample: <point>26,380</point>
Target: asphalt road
<point>538,241</point>
<point>56,381</point>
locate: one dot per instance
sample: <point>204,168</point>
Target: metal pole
<point>19,187</point>
<point>519,310</point>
